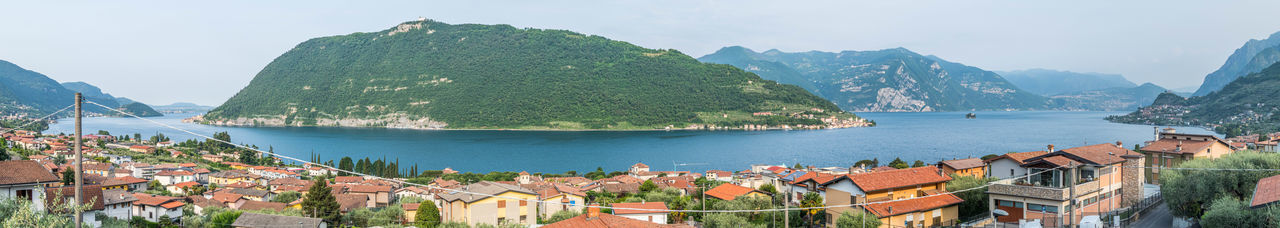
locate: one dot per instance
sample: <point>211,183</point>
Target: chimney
<point>593,211</point>
<point>1050,148</point>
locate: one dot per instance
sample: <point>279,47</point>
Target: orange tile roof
<point>913,205</point>
<point>186,184</point>
<point>607,221</point>
<point>1267,192</point>
<point>730,191</point>
<point>897,178</point>
<point>646,208</point>
<point>368,188</point>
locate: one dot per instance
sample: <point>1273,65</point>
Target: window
<point>1010,172</point>
<point>650,218</point>
<point>502,204</point>
<point>524,203</point>
<point>523,217</point>
<point>24,194</point>
<point>1051,209</point>
<point>1006,203</point>
<point>1035,207</point>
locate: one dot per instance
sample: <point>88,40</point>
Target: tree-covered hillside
<point>886,80</point>
<point>1245,105</point>
<point>26,92</point>
<point>427,74</point>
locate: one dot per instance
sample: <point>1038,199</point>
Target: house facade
<point>904,197</point>
<point>512,206</point>
<point>1103,176</point>
<point>1171,149</point>
<point>22,180</point>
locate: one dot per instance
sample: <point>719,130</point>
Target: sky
<point>161,52</point>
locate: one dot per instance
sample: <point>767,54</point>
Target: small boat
<point>970,116</point>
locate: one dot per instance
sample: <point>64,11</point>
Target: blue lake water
<point>929,137</point>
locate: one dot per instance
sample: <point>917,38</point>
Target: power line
<point>41,119</point>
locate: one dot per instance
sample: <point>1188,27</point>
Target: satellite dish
<point>999,212</point>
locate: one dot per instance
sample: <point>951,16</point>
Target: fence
<point>1125,216</point>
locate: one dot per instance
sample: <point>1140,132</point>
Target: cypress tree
<point>320,203</point>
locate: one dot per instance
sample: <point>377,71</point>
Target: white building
<point>118,203</point>
<point>152,208</point>
<point>1010,165</point>
<point>22,179</point>
<point>646,214</point>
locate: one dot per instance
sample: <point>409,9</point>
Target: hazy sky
<point>163,52</point>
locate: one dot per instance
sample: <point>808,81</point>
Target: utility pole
<point>786,212</point>
<point>79,163</point>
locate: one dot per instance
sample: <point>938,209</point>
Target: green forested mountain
<point>1245,105</point>
<point>886,80</point>
<point>26,92</point>
<point>427,74</point>
<point>140,109</point>
<point>1250,58</point>
<point>124,104</point>
<point>1053,82</point>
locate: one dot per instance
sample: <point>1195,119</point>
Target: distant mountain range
<point>428,74</point>
<point>1052,82</point>
<point>26,92</point>
<point>1250,58</point>
<point>1246,105</point>
<point>183,107</point>
<point>124,104</point>
<point>890,80</point>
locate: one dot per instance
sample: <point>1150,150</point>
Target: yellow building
<point>230,177</point>
<point>924,200</point>
<point>972,167</point>
<point>513,205</point>
<point>1172,149</point>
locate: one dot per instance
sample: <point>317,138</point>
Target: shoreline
<point>534,130</point>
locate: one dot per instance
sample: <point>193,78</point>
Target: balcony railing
<point>1015,188</point>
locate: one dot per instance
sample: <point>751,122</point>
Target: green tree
<point>898,164</point>
<point>918,163</point>
<point>975,201</point>
<point>867,163</point>
<point>857,219</point>
<point>286,197</point>
<point>428,215</point>
<point>768,187</point>
<point>1228,211</point>
<point>1189,192</point>
<point>797,166</point>
<point>811,200</point>
<point>346,164</point>
<point>647,186</point>
<point>320,203</point>
<point>726,220</point>
<point>68,176</point>
<point>224,219</point>
<point>561,216</point>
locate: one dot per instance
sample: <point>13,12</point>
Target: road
<point>1157,217</point>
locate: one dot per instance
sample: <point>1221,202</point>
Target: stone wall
<point>1132,177</point>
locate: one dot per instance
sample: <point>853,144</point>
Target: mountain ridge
<point>1243,61</point>
<point>432,75</point>
<point>894,79</point>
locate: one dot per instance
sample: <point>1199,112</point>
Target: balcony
<point>1024,189</point>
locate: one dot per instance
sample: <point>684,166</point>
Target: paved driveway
<point>1157,217</point>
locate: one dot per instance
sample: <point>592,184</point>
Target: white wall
<point>659,218</point>
<point>119,211</point>
<point>1000,169</point>
<point>36,195</point>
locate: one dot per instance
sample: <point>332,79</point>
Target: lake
<point>929,137</point>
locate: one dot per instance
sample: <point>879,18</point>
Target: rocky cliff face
<point>891,80</point>
<point>1250,58</point>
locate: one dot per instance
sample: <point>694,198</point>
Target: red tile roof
<point>730,191</point>
<point>123,181</point>
<point>348,179</point>
<point>645,208</point>
<point>90,194</point>
<point>897,178</point>
<point>25,172</point>
<point>607,221</point>
<point>1267,192</point>
<point>913,205</point>
<point>368,188</point>
<point>186,184</point>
